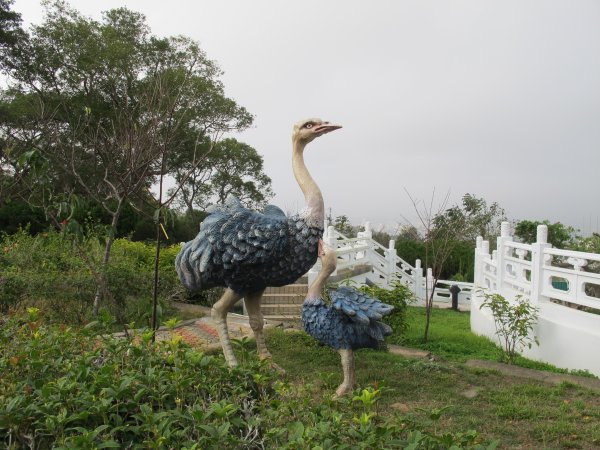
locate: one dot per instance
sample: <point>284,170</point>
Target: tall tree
<point>472,218</point>
<point>105,103</point>
<point>231,167</point>
<point>10,25</point>
<point>559,235</point>
<point>342,224</point>
<point>440,238</point>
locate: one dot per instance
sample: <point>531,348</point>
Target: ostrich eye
<point>308,125</point>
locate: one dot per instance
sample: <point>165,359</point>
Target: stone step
<point>284,299</point>
<point>282,318</point>
<point>289,289</point>
<point>282,310</point>
<point>285,302</point>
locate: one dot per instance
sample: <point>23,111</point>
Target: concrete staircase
<point>284,303</point>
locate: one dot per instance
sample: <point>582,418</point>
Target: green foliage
<point>459,265</point>
<point>399,297</point>
<point>342,225</point>
<point>15,215</point>
<point>70,389</point>
<point>559,235</point>
<point>104,103</point>
<point>229,167</point>
<point>410,250</point>
<point>450,336</point>
<point>474,217</point>
<point>513,322</point>
<point>589,244</point>
<point>139,226</point>
<point>63,387</point>
<point>48,272</point>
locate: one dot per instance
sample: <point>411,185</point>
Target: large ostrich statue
<point>245,251</point>
<point>349,323</point>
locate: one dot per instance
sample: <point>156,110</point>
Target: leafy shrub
<point>69,388</point>
<point>513,322</point>
<point>459,264</point>
<point>399,297</point>
<point>48,272</point>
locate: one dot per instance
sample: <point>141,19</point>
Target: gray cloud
<point>499,99</point>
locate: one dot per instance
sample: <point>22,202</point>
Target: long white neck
<point>312,193</point>
<point>315,289</point>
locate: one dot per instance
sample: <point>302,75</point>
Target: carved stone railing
<point>385,267</point>
<point>555,281</point>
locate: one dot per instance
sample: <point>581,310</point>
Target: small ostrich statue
<point>350,323</point>
<point>245,251</point>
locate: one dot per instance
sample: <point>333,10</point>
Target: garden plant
<point>514,322</point>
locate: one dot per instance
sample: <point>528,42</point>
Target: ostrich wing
<point>274,212</point>
<point>357,306</point>
<point>232,235</point>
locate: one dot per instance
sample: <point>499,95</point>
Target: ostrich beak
<point>325,128</point>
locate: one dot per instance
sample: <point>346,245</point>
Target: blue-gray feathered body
<point>247,251</point>
<point>351,322</point>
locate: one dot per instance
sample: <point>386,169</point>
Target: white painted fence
<point>568,336</point>
<point>385,267</point>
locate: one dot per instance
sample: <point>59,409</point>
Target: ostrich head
<point>307,130</point>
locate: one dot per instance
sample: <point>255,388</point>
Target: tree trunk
<point>157,256</point>
<point>156,262</point>
<point>428,306</point>
<point>106,257</point>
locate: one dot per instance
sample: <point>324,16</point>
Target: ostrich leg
<point>257,323</point>
<point>219,317</point>
<point>347,356</point>
<point>256,320</point>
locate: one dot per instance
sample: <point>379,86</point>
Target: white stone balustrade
<point>386,267</point>
<point>569,336</point>
<point>555,281</point>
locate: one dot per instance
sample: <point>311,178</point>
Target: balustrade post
<point>330,238</point>
<point>537,264</point>
<point>392,259</point>
<point>429,281</point>
<point>501,252</point>
<point>368,237</point>
<point>477,281</point>
<point>485,254</point>
<point>331,241</point>
<point>418,274</point>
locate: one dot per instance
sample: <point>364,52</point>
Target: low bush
<point>514,322</point>
<point>69,388</point>
<point>399,297</point>
<point>46,271</point>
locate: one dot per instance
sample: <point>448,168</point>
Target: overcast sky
<point>500,99</point>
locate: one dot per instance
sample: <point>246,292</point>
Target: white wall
<point>568,338</point>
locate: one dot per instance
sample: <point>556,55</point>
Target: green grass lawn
<point>450,338</point>
<point>521,413</point>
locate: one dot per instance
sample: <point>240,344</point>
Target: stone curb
<point>532,374</point>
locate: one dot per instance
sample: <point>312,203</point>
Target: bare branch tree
<point>439,241</point>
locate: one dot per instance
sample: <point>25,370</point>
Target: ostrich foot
<point>343,389</point>
<point>256,321</point>
<point>272,364</point>
<point>263,352</point>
